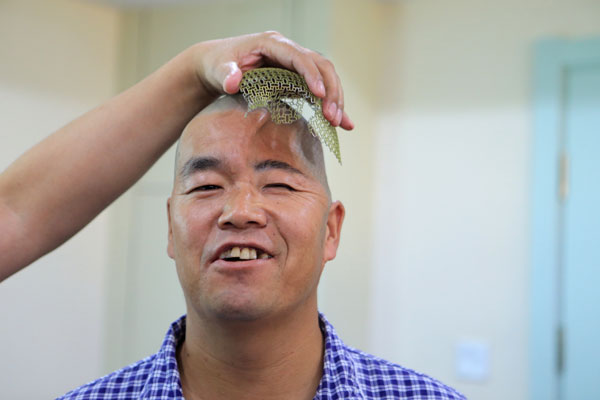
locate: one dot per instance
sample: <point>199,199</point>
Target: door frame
<point>553,59</point>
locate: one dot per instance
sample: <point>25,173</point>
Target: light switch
<point>472,360</point>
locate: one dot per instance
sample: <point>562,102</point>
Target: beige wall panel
<point>58,60</point>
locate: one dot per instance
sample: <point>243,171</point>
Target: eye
<point>204,188</point>
<point>280,186</point>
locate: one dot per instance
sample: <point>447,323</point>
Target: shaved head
<point>308,145</point>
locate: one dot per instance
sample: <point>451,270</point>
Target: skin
<point>250,321</point>
<point>310,146</point>
<point>56,188</point>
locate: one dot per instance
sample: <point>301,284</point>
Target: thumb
<point>231,78</point>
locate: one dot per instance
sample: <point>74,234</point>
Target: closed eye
<point>204,188</point>
<point>281,186</point>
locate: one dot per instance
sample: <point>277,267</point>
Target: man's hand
<point>220,64</point>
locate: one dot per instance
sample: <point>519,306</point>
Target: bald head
<point>225,114</point>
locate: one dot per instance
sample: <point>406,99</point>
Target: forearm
<point>63,182</point>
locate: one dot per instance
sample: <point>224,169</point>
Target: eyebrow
<point>198,164</point>
<point>275,164</point>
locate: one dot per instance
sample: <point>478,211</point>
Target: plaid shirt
<point>347,374</point>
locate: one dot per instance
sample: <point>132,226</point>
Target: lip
<point>223,265</point>
<point>228,245</point>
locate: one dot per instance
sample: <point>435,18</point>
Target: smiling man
<point>251,226</point>
<point>248,268</point>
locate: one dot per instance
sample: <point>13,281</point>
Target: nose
<point>243,209</point>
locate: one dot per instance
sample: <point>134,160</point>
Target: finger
<point>340,103</point>
<point>318,72</point>
<point>331,100</point>
<point>282,51</point>
<point>230,77</point>
<point>340,94</point>
<point>346,123</point>
<point>305,66</point>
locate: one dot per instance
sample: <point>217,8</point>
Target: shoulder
<point>383,379</point>
<point>124,384</point>
<point>153,377</point>
<point>364,376</point>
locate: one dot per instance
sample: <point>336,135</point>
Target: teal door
<point>565,338</point>
<point>580,311</point>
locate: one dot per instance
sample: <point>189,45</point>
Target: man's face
<point>250,224</point>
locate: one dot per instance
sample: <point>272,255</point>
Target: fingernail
<point>332,110</point>
<point>338,117</point>
<point>321,87</point>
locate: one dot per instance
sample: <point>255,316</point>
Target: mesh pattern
<point>286,96</point>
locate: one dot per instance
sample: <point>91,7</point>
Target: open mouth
<point>243,254</point>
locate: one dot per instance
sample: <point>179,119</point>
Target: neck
<point>272,358</point>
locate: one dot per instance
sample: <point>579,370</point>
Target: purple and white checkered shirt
<point>347,374</point>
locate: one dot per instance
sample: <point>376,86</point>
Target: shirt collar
<point>164,381</point>
<point>338,380</point>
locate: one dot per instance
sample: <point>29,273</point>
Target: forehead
<point>239,139</point>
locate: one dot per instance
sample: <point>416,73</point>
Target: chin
<point>238,309</point>
<point>238,314</point>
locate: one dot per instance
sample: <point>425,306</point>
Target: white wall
<point>453,176</point>
<point>57,61</point>
<point>356,29</point>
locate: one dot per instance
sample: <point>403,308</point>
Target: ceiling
<point>149,3</point>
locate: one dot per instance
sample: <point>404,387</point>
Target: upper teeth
<point>244,253</point>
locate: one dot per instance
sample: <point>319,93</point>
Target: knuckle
<point>304,52</point>
<point>325,63</point>
<point>280,39</point>
<point>273,34</point>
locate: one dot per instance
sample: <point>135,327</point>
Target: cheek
<point>189,225</point>
<point>304,261</point>
<point>305,231</point>
<point>190,234</point>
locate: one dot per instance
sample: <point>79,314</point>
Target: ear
<point>335,218</point>
<point>170,249</point>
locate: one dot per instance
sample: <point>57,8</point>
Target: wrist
<point>197,70</point>
<point>181,80</point>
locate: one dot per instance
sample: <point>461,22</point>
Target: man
<point>251,226</point>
